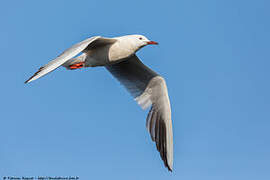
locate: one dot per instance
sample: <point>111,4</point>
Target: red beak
<point>152,42</point>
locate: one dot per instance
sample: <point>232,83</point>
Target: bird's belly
<point>93,62</point>
<point>105,56</point>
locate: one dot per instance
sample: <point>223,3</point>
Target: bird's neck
<point>122,49</point>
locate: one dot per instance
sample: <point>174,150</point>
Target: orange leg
<point>77,65</point>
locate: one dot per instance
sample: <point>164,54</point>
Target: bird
<point>148,88</point>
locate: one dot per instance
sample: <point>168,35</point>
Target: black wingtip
<point>167,166</point>
<point>36,73</point>
<point>27,81</point>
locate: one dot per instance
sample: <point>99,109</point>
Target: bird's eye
<point>140,38</point>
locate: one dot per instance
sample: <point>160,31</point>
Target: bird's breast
<point>106,55</point>
<point>119,51</point>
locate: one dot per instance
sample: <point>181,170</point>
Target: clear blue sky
<point>213,54</point>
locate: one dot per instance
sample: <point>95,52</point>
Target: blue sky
<point>214,56</point>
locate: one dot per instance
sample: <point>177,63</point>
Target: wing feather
<point>70,53</point>
<point>149,89</point>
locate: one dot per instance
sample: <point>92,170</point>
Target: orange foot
<point>77,65</point>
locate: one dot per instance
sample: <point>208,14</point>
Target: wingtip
<point>28,80</point>
<point>169,169</point>
<point>168,166</point>
<point>34,77</point>
<point>25,82</point>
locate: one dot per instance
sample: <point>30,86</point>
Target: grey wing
<point>70,53</point>
<point>149,89</point>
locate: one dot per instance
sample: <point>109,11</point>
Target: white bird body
<point>108,54</point>
<point>147,87</point>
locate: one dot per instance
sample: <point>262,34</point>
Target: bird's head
<point>138,41</point>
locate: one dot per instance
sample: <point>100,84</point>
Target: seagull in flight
<point>118,56</point>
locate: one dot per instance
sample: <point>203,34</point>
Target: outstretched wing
<point>87,44</point>
<point>148,88</point>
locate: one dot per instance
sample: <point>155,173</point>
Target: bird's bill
<point>152,42</point>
